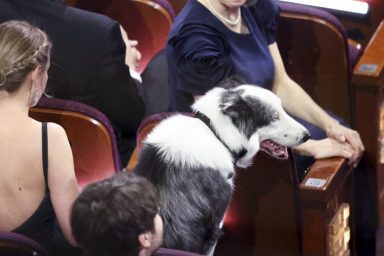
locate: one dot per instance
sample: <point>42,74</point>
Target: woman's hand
<point>324,148</point>
<point>345,135</point>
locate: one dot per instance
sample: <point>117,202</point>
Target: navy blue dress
<point>201,50</point>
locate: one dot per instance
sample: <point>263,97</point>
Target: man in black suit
<point>88,62</point>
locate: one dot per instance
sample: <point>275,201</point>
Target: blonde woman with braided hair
<point>38,183</point>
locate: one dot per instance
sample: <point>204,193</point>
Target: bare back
<point>22,186</point>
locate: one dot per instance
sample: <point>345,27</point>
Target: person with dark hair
<point>118,216</point>
<point>38,183</point>
<point>88,62</point>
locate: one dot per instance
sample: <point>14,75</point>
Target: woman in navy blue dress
<point>214,39</point>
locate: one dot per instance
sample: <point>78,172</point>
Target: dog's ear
<point>231,82</point>
<point>234,105</point>
<point>246,112</point>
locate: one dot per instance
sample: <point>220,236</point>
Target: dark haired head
<point>108,216</point>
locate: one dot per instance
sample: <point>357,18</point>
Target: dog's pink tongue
<point>274,149</point>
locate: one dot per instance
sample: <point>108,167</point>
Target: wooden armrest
<point>370,66</point>
<point>368,85</point>
<point>324,178</point>
<point>326,198</point>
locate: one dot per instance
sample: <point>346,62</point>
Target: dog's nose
<point>306,136</point>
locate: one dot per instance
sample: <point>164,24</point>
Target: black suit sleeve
<point>116,92</point>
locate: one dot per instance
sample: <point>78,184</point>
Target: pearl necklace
<point>230,22</point>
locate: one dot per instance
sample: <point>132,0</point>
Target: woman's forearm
<point>297,102</point>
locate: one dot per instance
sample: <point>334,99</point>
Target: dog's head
<point>258,116</point>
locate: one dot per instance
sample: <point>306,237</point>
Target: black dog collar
<point>207,122</point>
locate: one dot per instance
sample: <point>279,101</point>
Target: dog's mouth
<point>274,149</point>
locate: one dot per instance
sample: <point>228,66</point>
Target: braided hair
<point>23,48</point>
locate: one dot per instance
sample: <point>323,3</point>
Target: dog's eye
<point>275,117</point>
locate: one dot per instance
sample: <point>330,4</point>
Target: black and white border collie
<point>191,160</point>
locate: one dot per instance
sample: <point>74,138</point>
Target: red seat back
<point>90,134</point>
<point>148,21</point>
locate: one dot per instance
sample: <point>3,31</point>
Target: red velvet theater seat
<point>90,134</point>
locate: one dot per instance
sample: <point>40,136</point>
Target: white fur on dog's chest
<point>187,141</point>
